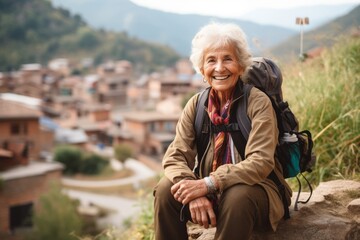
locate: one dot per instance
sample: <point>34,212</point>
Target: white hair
<point>215,35</point>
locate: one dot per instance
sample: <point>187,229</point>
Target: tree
<point>57,217</point>
<point>123,152</point>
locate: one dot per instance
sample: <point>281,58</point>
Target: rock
<point>332,213</point>
<point>354,206</point>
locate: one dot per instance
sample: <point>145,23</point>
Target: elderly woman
<point>229,193</point>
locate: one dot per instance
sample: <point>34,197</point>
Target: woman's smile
<point>221,78</point>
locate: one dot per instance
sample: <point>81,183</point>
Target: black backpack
<point>294,150</point>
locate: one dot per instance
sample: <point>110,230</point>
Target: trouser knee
<point>162,192</point>
<point>167,222</point>
<point>242,208</point>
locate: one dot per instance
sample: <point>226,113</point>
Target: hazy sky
<point>229,8</point>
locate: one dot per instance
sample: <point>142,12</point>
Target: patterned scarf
<point>218,117</point>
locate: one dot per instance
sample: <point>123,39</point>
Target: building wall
<point>32,134</point>
<point>100,115</point>
<point>137,129</point>
<point>23,191</point>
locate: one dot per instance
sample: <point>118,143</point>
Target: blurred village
<point>42,107</point>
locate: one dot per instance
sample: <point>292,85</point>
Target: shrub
<point>69,156</point>
<point>93,164</point>
<point>123,152</point>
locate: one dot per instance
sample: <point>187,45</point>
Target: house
<point>60,65</point>
<point>94,120</point>
<point>177,81</point>
<point>20,129</point>
<point>8,82</point>
<point>149,133</point>
<point>20,190</point>
<point>23,176</point>
<point>115,77</point>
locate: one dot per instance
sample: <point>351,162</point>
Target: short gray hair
<point>217,35</point>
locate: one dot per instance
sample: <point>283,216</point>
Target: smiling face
<point>221,69</point>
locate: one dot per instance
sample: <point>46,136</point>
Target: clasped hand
<point>193,192</point>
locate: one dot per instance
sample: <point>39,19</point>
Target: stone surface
<point>354,207</point>
<point>332,213</point>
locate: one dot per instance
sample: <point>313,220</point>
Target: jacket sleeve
<point>260,148</point>
<point>179,159</point>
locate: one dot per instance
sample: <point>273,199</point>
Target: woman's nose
<point>219,66</point>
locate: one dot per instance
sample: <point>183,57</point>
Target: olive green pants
<point>241,210</point>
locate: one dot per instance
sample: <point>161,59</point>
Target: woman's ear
<point>202,71</point>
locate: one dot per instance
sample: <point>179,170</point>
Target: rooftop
<point>11,110</point>
<point>32,169</point>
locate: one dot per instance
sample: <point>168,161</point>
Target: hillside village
<point>44,106</point>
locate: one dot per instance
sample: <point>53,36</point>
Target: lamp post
<point>301,22</point>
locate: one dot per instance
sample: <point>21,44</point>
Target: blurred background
<point>91,91</point>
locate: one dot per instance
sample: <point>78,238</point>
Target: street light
<point>301,22</point>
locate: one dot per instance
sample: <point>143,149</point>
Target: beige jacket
<point>180,158</point>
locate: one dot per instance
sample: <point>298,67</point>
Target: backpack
<point>294,149</point>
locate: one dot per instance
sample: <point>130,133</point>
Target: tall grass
<point>324,93</point>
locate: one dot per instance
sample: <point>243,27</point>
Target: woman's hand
<point>202,211</point>
<point>188,190</point>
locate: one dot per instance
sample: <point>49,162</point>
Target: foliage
<point>325,95</point>
<point>56,218</point>
<point>69,156</point>
<point>93,164</point>
<point>123,152</point>
<point>143,227</point>
<point>76,161</point>
<point>35,31</point>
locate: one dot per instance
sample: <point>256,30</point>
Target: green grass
<point>324,93</point>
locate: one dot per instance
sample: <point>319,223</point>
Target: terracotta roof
<point>11,110</point>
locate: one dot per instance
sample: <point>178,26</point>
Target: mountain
<point>318,15</point>
<point>324,35</point>
<point>35,31</point>
<point>175,30</point>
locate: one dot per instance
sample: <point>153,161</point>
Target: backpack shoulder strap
<point>200,111</point>
<point>242,120</point>
<point>241,112</point>
<point>201,125</point>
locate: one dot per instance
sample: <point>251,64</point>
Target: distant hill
<point>35,31</point>
<point>175,30</point>
<point>322,36</point>
<point>285,17</point>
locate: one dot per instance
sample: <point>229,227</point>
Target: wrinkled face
<point>221,68</point>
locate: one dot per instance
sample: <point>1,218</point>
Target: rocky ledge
<point>332,213</point>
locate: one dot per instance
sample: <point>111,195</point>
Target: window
<point>18,128</point>
<point>152,127</point>
<point>169,126</point>
<point>20,216</point>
